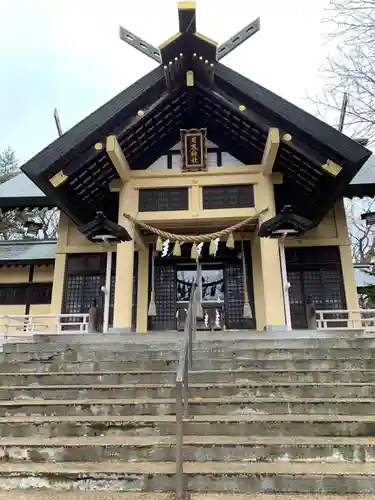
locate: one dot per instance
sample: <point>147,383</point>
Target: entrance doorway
<point>222,288</point>
<point>210,280</point>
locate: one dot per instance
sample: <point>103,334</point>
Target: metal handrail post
<point>179,442</point>
<point>190,334</point>
<point>186,391</point>
<point>182,391</point>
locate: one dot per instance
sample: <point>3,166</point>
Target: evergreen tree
<point>12,222</point>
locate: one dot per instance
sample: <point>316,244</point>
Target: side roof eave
<point>21,192</point>
<point>363,183</point>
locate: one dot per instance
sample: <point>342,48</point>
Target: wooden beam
<point>134,232</point>
<point>270,150</point>
<point>117,157</point>
<point>139,239</point>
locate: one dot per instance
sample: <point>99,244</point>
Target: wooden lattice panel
<point>165,298</point>
<point>234,298</point>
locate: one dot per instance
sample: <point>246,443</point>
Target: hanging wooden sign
<point>194,150</point>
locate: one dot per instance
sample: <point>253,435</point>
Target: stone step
<point>203,354</point>
<point>147,345</point>
<point>236,477</point>
<point>121,495</point>
<point>197,406</point>
<point>210,425</point>
<point>245,389</point>
<point>169,377</point>
<point>196,448</point>
<point>223,364</point>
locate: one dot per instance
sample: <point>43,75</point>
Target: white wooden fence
<point>359,319</point>
<point>14,327</point>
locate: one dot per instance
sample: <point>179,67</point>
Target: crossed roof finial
<point>187,28</point>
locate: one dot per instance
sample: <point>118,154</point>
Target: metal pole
<point>344,106</point>
<point>57,122</point>
<point>107,293</point>
<point>285,283</point>
<point>179,441</point>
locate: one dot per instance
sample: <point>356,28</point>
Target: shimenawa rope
<point>194,238</point>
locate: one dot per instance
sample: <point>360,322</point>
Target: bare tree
<point>350,69</point>
<point>350,66</point>
<point>361,235</point>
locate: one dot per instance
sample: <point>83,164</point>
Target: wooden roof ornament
<point>187,17</point>
<point>285,221</point>
<point>101,230</point>
<point>192,89</point>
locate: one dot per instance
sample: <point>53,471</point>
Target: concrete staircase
<point>268,414</point>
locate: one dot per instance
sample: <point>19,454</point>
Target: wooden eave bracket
<point>270,150</point>
<point>117,157</point>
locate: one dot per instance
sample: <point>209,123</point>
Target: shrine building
<point>194,172</point>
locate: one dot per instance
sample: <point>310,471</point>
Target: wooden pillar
<point>348,273</point>
<point>125,262</point>
<point>58,283</point>
<point>269,262</point>
<point>142,294</point>
<point>258,283</point>
<point>346,257</point>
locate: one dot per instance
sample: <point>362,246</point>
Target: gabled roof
<point>21,192</point>
<point>26,252</point>
<point>238,113</point>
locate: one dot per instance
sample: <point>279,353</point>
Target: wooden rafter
<point>270,150</point>
<point>117,157</point>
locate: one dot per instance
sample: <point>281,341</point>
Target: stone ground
<point>102,495</point>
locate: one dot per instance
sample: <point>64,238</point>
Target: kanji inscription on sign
<point>194,150</point>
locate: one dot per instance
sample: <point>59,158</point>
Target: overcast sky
<point>67,54</point>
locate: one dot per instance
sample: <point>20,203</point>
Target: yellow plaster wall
<point>75,238</point>
<point>43,274</point>
<point>326,229</point>
<point>14,274</point>
<point>12,309</point>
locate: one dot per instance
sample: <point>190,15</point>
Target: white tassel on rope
<point>216,242</point>
<point>198,295</point>
<point>199,249</point>
<point>217,318</point>
<point>165,249</point>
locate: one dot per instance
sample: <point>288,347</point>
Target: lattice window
<point>234,298</point>
<point>39,293</point>
<point>314,272</point>
<point>165,297</point>
<point>112,299</point>
<point>13,294</point>
<point>160,200</point>
<point>25,293</point>
<point>297,300</point>
<point>73,294</point>
<point>238,196</point>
